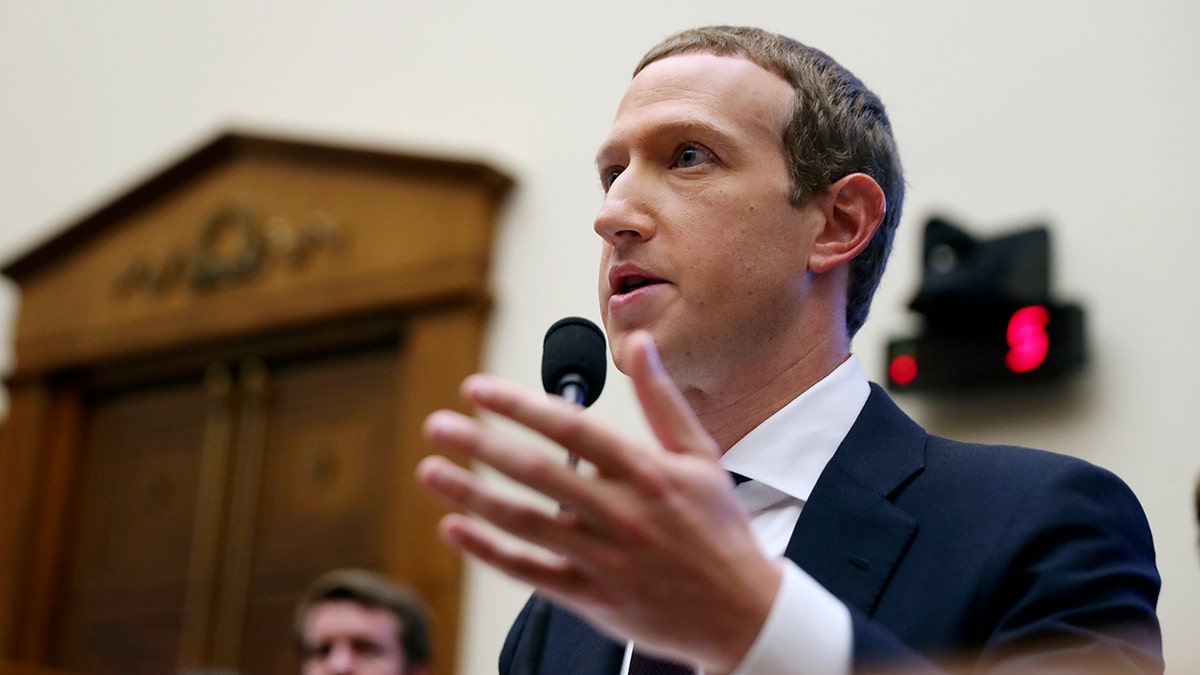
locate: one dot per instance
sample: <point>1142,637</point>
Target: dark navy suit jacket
<point>1005,557</point>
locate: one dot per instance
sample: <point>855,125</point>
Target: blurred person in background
<point>358,622</point>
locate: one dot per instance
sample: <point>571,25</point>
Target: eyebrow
<point>673,126</point>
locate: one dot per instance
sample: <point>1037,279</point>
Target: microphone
<point>574,367</point>
<point>573,360</point>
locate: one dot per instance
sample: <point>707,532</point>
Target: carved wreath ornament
<point>233,246</point>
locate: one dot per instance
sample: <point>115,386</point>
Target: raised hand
<point>654,546</point>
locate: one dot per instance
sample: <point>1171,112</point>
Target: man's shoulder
<point>1012,483</point>
<point>979,460</point>
<point>990,461</point>
<point>957,452</point>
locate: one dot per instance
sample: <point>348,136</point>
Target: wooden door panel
<point>138,641</point>
<point>329,474</point>
<point>330,463</point>
<point>126,582</point>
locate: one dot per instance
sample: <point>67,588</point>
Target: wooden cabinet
<point>220,380</point>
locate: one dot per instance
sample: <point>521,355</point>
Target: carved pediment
<point>249,232</point>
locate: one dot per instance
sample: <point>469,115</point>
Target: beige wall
<point>1081,114</point>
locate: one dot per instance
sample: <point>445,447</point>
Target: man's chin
<point>618,349</point>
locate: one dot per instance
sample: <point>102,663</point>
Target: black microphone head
<point>573,352</point>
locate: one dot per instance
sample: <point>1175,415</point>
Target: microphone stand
<point>574,389</point>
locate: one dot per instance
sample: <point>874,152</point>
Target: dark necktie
<point>644,664</point>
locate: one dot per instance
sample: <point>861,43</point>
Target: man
<point>357,622</point>
<point>751,190</point>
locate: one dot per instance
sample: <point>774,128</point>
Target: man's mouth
<point>632,283</point>
<point>625,281</point>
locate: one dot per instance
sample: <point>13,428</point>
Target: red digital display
<point>903,369</point>
<point>1028,342</point>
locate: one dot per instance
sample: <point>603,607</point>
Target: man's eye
<point>319,652</point>
<point>608,176</point>
<point>690,154</point>
<point>368,648</point>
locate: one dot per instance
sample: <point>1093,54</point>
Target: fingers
<point>533,566</point>
<point>669,415</point>
<point>612,453</point>
<point>555,577</point>
<point>463,490</point>
<point>671,418</point>
<point>557,539</point>
<point>505,453</point>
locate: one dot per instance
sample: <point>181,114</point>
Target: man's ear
<point>853,208</point>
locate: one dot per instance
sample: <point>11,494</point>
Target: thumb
<point>672,420</point>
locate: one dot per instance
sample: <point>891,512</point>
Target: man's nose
<point>626,216</point>
<point>341,660</point>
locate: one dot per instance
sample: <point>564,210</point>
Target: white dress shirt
<point>808,629</point>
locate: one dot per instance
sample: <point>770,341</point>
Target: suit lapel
<point>850,536</point>
<point>574,646</point>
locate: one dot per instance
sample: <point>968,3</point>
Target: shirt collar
<point>790,449</point>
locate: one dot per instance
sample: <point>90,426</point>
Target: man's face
<point>343,637</point>
<point>701,246</point>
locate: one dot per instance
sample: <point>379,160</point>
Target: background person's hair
<point>371,589</point>
<point>838,127</point>
<point>1196,500</point>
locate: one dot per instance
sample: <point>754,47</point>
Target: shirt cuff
<point>807,631</point>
